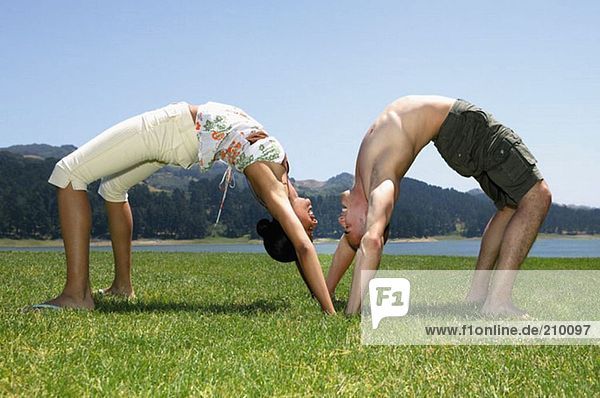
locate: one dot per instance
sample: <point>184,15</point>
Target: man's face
<point>303,209</point>
<point>353,218</point>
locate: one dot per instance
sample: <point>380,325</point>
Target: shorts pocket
<point>458,152</point>
<point>462,162</point>
<point>527,155</point>
<point>512,158</point>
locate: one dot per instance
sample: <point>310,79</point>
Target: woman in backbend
<point>180,134</point>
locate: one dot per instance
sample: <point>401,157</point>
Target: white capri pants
<point>130,152</point>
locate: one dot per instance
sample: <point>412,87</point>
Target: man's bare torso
<point>396,137</point>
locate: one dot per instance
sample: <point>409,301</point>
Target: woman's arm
<point>309,263</point>
<point>312,294</point>
<point>273,194</point>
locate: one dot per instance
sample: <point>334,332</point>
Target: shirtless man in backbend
<point>475,145</point>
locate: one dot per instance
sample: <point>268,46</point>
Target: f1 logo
<point>389,297</point>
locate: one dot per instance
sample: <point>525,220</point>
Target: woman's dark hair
<point>276,242</point>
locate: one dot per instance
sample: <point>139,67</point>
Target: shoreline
<point>247,241</point>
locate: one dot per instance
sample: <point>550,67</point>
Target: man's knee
<point>539,197</point>
<point>546,193</point>
<point>372,242</point>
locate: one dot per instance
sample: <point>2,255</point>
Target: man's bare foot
<point>114,292</point>
<point>475,299</point>
<point>503,309</point>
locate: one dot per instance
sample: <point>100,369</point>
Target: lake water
<point>465,247</point>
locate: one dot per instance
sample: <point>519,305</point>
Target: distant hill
<point>41,151</point>
<point>172,177</point>
<point>178,203</point>
<point>333,186</point>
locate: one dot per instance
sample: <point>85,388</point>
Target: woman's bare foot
<point>66,301</point>
<point>112,291</point>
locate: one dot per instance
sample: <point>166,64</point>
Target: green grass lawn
<point>243,325</point>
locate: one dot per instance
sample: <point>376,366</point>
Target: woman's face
<point>303,209</point>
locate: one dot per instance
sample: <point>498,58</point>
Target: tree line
<point>28,209</point>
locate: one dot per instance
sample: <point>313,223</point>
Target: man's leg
<point>488,253</point>
<point>75,223</point>
<point>518,238</point>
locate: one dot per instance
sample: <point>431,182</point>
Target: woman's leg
<point>130,145</point>
<point>75,222</point>
<point>120,223</point>
<point>117,148</point>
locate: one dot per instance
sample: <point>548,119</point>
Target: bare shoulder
<point>265,177</point>
<point>265,170</point>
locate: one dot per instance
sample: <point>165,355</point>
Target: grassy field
<point>210,240</point>
<point>242,325</point>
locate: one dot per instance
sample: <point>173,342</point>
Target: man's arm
<point>342,258</point>
<point>381,205</point>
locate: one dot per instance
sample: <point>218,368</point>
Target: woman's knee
<point>112,191</point>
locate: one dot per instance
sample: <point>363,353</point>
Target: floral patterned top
<point>222,131</point>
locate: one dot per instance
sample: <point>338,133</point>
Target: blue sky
<point>314,73</point>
